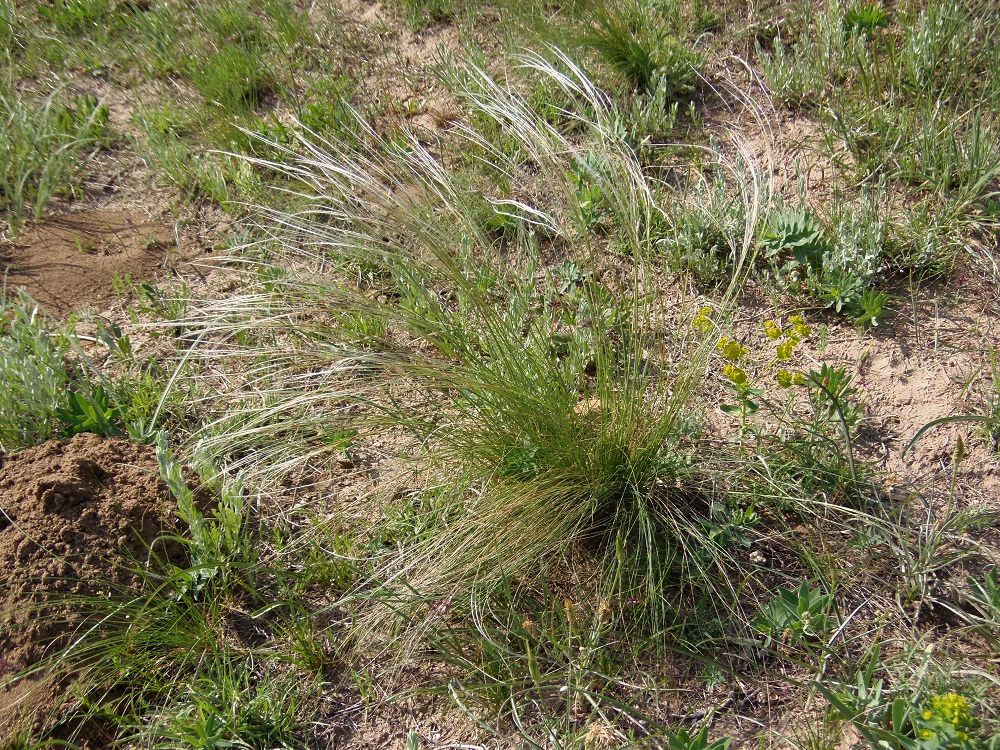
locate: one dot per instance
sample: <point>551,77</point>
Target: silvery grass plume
<point>388,305</point>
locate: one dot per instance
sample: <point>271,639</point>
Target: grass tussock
<point>568,410</point>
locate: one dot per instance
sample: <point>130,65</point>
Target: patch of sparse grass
<point>44,147</point>
<point>233,78</point>
<point>991,405</point>
<point>76,16</point>
<point>8,27</point>
<point>247,56</point>
<point>195,172</point>
<point>912,102</point>
<point>236,56</point>
<point>51,387</point>
<point>420,14</point>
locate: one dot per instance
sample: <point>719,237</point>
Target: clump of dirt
<point>71,260</point>
<point>76,519</point>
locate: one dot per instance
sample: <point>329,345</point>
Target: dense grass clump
<point>636,41</point>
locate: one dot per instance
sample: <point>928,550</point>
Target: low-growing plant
<point>684,740</point>
<point>914,716</point>
<point>840,290</point>
<point>699,235</point>
<point>797,233</point>
<point>928,542</point>
<point>218,543</point>
<point>982,595</point>
<point>871,308</point>
<point>793,617</point>
<point>226,706</point>
<point>52,388</point>
<point>525,648</point>
<point>90,412</point>
<point>866,18</point>
<point>34,380</point>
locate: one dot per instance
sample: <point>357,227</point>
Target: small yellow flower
<point>731,349</point>
<point>784,378</point>
<point>772,330</point>
<point>798,378</point>
<point>784,350</point>
<point>734,374</point>
<point>927,714</point>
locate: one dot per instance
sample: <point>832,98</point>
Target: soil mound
<point>76,518</point>
<point>71,260</point>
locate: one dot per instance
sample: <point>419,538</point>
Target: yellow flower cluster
<point>951,708</point>
<point>797,330</point>
<point>703,320</point>
<point>793,335</point>
<point>731,349</point>
<point>734,374</point>
<point>787,379</point>
<point>772,330</point>
<point>784,350</point>
<point>734,352</point>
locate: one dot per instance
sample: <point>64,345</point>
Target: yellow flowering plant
<point>703,320</point>
<point>733,353</point>
<point>737,380</point>
<point>939,721</point>
<point>945,722</point>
